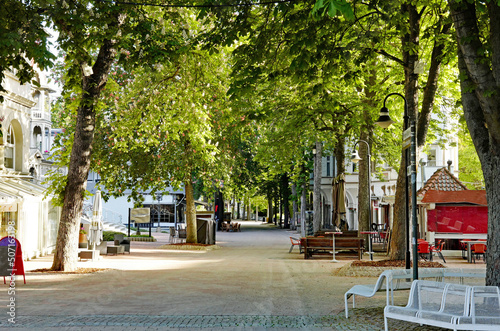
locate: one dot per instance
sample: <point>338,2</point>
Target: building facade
<point>25,133</point>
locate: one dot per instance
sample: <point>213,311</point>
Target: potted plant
<point>83,235</point>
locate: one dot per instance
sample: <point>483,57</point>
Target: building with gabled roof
<point>450,211</point>
<point>442,180</point>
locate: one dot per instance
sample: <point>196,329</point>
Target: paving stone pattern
<point>360,319</point>
<point>251,283</point>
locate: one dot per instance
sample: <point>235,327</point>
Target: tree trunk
<point>276,204</point>
<point>398,238</point>
<point>340,156</point>
<point>364,194</point>
<point>286,201</point>
<point>269,205</point>
<point>481,102</point>
<point>191,227</point>
<point>66,255</point>
<point>409,41</point>
<point>317,187</point>
<point>303,206</point>
<point>410,46</point>
<point>249,209</point>
<point>295,207</point>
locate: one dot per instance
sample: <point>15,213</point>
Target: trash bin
<point>205,231</point>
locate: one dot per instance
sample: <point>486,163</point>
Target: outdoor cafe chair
<point>424,250</point>
<point>463,247</point>
<point>477,250</point>
<point>438,248</point>
<point>295,242</point>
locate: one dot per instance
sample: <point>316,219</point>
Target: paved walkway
<point>250,283</point>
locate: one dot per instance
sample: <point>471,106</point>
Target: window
<point>328,172</point>
<point>46,139</point>
<point>10,151</point>
<point>431,158</point>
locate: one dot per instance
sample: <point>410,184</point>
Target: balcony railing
<point>36,114</point>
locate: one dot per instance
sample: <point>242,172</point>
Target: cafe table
<point>469,247</point>
<point>333,244</point>
<point>370,250</point>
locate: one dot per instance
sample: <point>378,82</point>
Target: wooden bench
<point>321,246</point>
<point>351,233</point>
<point>451,306</point>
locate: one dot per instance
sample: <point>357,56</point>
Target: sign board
<point>407,138</point>
<point>140,215</point>
<point>11,258</point>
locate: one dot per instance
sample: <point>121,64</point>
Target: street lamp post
<point>409,140</point>
<point>355,158</point>
<point>159,197</point>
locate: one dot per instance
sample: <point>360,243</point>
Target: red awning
<point>475,197</point>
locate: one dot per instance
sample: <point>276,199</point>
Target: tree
<point>470,167</point>
<point>23,41</point>
<point>93,36</point>
<point>477,28</point>
<point>173,129</point>
<point>409,25</point>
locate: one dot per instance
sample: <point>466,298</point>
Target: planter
<point>82,238</point>
<point>150,239</point>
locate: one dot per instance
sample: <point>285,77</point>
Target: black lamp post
<point>409,140</point>
<point>355,158</point>
<point>159,197</point>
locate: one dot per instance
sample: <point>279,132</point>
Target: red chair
<point>438,248</point>
<point>424,250</point>
<point>463,247</point>
<point>477,250</point>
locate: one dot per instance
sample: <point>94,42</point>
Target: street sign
<point>407,138</point>
<point>140,215</point>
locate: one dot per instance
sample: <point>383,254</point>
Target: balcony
<point>36,114</point>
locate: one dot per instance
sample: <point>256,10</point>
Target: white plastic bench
<point>484,310</point>
<point>452,306</point>
<point>432,303</point>
<point>401,279</point>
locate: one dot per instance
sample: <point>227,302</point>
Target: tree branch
<point>431,86</point>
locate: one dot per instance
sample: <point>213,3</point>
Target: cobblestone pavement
<point>250,283</point>
<point>361,319</point>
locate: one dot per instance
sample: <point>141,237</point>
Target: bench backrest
<point>485,301</point>
<point>351,233</point>
<point>318,242</point>
<point>456,300</point>
<point>349,242</point>
<point>440,297</point>
<point>426,295</point>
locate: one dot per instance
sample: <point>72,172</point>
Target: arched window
<point>10,148</point>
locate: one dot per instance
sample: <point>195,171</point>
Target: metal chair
<point>424,250</point>
<point>477,250</point>
<point>438,248</point>
<point>295,242</point>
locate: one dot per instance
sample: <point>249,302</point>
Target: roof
<point>442,180</point>
<point>473,197</point>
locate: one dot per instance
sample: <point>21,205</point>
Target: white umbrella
<point>96,229</point>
